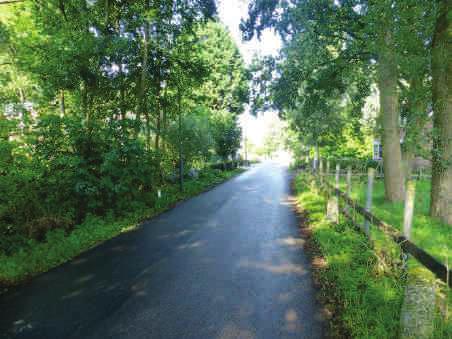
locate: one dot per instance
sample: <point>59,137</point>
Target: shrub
<point>37,229</point>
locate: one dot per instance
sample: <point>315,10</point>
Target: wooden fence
<point>440,270</point>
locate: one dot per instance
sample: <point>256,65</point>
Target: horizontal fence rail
<point>432,264</point>
<point>378,175</point>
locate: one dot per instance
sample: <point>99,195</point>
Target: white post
<point>409,208</point>
<point>349,185</point>
<point>349,181</point>
<point>316,157</point>
<point>321,170</point>
<point>370,185</point>
<point>327,170</point>
<point>338,174</point>
<point>332,212</point>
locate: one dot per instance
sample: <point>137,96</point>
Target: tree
<point>194,136</point>
<point>226,134</point>
<point>441,204</point>
<point>226,85</point>
<point>368,34</point>
<point>103,100</point>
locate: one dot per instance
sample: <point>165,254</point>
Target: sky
<point>231,12</point>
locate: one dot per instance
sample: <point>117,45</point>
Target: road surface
<point>225,264</point>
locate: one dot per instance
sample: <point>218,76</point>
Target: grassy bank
<point>364,283</point>
<point>366,301</point>
<point>428,233</point>
<point>59,247</point>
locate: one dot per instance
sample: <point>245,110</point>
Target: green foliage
<point>335,53</point>
<point>226,134</point>
<point>60,247</point>
<point>98,102</point>
<point>226,86</point>
<point>195,136</point>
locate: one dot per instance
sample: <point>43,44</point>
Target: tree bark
<point>62,103</point>
<point>389,113</point>
<point>417,119</point>
<point>142,107</point>
<point>441,193</point>
<point>159,111</point>
<point>84,99</point>
<point>181,156</point>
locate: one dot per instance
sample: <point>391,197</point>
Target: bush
<point>37,229</point>
<point>73,169</point>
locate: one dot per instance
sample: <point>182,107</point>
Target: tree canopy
<point>337,53</point>
<point>103,103</point>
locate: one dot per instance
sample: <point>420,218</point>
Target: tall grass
<point>429,233</point>
<point>366,299</point>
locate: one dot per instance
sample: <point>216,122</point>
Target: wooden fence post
<point>370,186</point>
<point>349,182</point>
<point>321,170</point>
<point>327,170</point>
<point>409,208</point>
<point>349,186</point>
<point>338,174</point>
<point>418,309</point>
<point>332,213</point>
<point>316,158</point>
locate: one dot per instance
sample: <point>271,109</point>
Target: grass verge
<point>429,233</point>
<point>365,299</point>
<point>58,248</point>
<point>363,282</point>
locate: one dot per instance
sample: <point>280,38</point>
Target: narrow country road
<point>225,264</point>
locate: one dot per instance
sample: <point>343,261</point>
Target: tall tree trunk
<point>159,111</point>
<point>157,133</point>
<point>417,119</point>
<point>148,130</point>
<point>122,103</point>
<point>142,95</point>
<point>389,113</point>
<point>107,11</point>
<point>441,193</point>
<point>84,99</point>
<point>62,103</point>
<point>181,155</point>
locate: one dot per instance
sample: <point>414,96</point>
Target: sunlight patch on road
<point>195,244</point>
<point>282,268</point>
<point>291,241</point>
<point>231,331</point>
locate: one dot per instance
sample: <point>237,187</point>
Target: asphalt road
<point>226,264</point>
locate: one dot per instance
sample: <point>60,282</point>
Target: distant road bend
<point>225,264</point>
